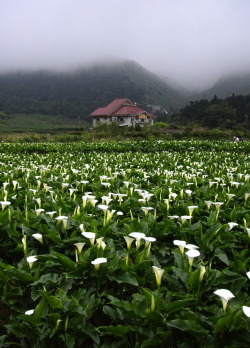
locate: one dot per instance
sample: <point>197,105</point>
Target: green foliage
<point>147,187</point>
<point>225,114</point>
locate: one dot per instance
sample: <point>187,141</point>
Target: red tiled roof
<point>122,107</point>
<point>128,110</point>
<point>111,107</point>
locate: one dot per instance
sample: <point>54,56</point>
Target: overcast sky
<point>191,41</point>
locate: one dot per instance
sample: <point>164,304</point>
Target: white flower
<point>29,312</point>
<point>51,213</point>
<point>230,195</point>
<point>191,246</point>
<point>191,254</point>
<point>225,295</point>
<point>208,204</point>
<point>158,274</point>
<point>172,217</point>
<point>31,260</point>
<point>248,274</point>
<point>129,241</point>
<point>246,311</point>
<point>106,199</point>
<point>101,243</point>
<point>191,209</point>
<point>232,225</point>
<point>218,205</point>
<point>188,192</point>
<point>38,237</point>
<point>39,211</point>
<point>103,207</point>
<point>181,244</point>
<point>138,236</point>
<point>185,218</point>
<point>149,240</point>
<point>90,236</point>
<point>79,247</point>
<point>61,218</point>
<point>5,204</point>
<point>97,262</point>
<point>146,210</point>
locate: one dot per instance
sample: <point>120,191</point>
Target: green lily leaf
<point>124,277</point>
<point>19,274</point>
<point>64,260</point>
<point>53,301</point>
<point>222,256</point>
<point>190,326</point>
<point>118,330</point>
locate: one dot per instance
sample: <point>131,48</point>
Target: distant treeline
<point>230,113</point>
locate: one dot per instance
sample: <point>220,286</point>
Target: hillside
<point>226,86</point>
<point>75,94</point>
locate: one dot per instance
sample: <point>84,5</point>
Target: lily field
<point>125,244</point>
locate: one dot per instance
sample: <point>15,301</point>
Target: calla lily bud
<point>202,272</point>
<point>158,274</point>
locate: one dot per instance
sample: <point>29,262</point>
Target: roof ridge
<point>119,106</point>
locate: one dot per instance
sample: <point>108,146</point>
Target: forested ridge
<point>231,112</point>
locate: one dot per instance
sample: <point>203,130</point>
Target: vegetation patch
<point>125,244</point>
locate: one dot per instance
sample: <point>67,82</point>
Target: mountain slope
<point>226,86</point>
<point>81,91</point>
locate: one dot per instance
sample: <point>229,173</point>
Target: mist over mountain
<point>238,84</point>
<point>82,90</point>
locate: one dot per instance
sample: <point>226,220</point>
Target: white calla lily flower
<point>79,247</point>
<point>138,236</point>
<point>29,312</point>
<point>97,262</point>
<point>232,225</point>
<point>38,237</point>
<point>89,235</point>
<point>225,295</point>
<point>191,254</point>
<point>181,244</point>
<point>158,274</point>
<point>129,241</point>
<point>246,311</point>
<point>31,260</point>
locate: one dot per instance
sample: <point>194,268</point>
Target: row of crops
<point>138,244</point>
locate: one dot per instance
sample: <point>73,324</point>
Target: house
<point>123,112</point>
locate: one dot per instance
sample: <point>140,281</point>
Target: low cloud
<point>190,41</point>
